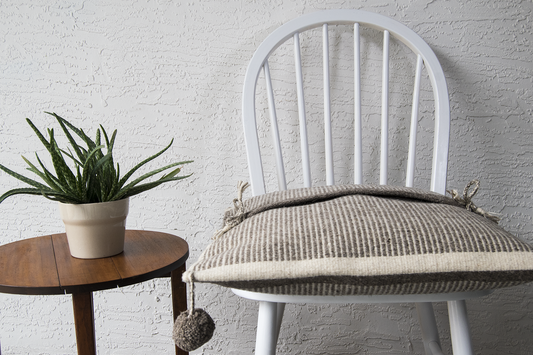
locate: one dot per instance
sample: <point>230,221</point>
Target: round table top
<point>44,266</point>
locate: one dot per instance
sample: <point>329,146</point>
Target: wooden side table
<point>43,266</point>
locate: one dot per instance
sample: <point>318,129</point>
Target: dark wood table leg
<point>84,320</point>
<point>179,297</point>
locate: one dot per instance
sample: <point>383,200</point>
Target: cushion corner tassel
<point>239,215</point>
<point>466,201</point>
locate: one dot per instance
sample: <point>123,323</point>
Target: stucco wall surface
<point>158,70</point>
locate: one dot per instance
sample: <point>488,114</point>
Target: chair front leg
<point>428,325</point>
<point>459,329</point>
<point>267,329</point>
<point>281,310</point>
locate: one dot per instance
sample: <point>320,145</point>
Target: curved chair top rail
<point>367,19</point>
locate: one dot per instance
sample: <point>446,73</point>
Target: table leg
<point>84,321</point>
<point>179,297</point>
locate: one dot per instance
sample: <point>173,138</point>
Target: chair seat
<point>437,297</point>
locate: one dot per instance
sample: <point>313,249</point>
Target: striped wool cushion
<point>360,240</point>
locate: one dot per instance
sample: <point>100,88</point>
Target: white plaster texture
<point>162,69</point>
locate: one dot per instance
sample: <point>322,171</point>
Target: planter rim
<point>92,203</point>
<point>94,211</point>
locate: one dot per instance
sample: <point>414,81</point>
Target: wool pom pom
<point>192,330</point>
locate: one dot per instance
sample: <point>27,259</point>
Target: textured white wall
<point>162,69</point>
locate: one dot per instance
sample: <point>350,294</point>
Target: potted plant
<point>93,198</point>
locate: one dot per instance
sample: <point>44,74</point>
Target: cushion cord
<point>466,201</point>
<point>239,216</point>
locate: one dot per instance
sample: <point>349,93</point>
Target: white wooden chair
<point>271,306</point>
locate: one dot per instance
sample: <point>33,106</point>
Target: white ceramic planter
<point>95,230</point>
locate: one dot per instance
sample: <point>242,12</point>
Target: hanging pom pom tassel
<point>194,327</point>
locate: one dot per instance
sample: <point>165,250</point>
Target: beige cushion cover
<point>362,239</point>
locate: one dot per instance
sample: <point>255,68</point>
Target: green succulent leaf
<point>135,190</point>
<point>152,173</point>
<point>94,152</point>
<point>23,191</point>
<point>38,133</point>
<point>23,178</point>
<point>77,149</point>
<point>135,168</point>
<point>69,154</point>
<point>44,175</point>
<point>79,132</point>
<point>174,172</point>
<point>63,172</point>
<point>55,184</point>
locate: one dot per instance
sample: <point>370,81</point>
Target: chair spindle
<point>282,183</point>
<point>330,178</point>
<point>409,180</point>
<point>385,111</point>
<point>301,112</point>
<point>358,138</point>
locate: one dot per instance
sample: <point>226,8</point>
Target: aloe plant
<point>95,178</point>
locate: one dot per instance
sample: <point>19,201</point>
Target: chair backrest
<point>355,19</point>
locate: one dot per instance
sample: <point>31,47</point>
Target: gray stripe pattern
<point>360,222</point>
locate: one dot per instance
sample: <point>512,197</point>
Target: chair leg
<point>279,318</point>
<point>459,329</point>
<point>267,329</point>
<point>430,333</point>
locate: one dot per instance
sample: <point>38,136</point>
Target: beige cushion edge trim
<point>375,266</point>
